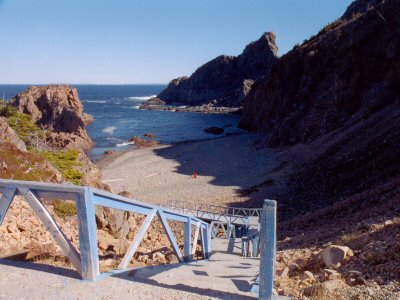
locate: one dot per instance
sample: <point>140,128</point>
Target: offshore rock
<point>58,109</point>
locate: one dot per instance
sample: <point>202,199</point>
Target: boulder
<point>126,194</point>
<point>59,110</point>
<point>325,290</point>
<point>144,143</point>
<point>334,255</point>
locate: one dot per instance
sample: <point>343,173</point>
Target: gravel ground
<point>225,166</point>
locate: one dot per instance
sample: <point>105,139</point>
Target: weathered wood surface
<point>267,249</point>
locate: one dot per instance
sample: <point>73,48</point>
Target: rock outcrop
<point>360,7</point>
<point>8,136</point>
<point>59,110</point>
<point>335,80</point>
<point>225,80</point>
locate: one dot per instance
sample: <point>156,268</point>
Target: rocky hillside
<point>338,78</point>
<point>339,92</point>
<point>225,80</point>
<point>35,126</point>
<point>332,105</point>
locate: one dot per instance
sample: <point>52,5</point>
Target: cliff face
<point>338,78</point>
<point>225,80</point>
<point>338,96</point>
<point>58,109</point>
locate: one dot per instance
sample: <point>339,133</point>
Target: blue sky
<point>146,41</point>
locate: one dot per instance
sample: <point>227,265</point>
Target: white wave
<point>125,144</point>
<point>135,107</point>
<point>145,98</point>
<point>110,129</point>
<point>96,101</point>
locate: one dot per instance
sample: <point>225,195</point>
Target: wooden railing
<point>251,244</point>
<point>208,212</point>
<point>86,262</point>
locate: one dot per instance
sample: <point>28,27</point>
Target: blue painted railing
<point>86,262</point>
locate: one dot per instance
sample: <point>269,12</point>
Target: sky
<point>142,41</point>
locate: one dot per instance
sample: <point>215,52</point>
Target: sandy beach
<point>226,167</point>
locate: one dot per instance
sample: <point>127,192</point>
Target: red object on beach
<point>195,174</point>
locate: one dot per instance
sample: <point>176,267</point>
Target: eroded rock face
<point>8,135</point>
<point>225,80</point>
<point>58,109</point>
<point>338,78</point>
<point>360,7</point>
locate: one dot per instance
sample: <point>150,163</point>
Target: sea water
<point>117,117</point>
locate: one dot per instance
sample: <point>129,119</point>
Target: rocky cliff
<point>58,109</point>
<point>225,80</point>
<point>340,77</point>
<point>338,95</point>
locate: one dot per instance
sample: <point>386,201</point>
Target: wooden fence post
<point>187,236</point>
<point>88,235</point>
<point>268,249</point>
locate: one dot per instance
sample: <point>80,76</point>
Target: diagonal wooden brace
<point>5,201</point>
<point>48,221</point>
<point>170,235</point>
<point>138,238</point>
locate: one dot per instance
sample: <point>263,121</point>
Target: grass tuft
<point>65,208</point>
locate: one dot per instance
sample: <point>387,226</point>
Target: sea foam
<point>125,144</point>
<point>145,98</point>
<point>109,129</point>
<point>96,101</point>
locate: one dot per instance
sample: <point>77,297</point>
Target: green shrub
<point>23,125</point>
<point>65,162</point>
<point>64,208</point>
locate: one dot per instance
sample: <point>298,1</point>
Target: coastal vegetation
<point>64,208</point>
<point>35,138</point>
<point>66,162</point>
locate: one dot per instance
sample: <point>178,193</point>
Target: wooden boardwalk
<point>226,275</point>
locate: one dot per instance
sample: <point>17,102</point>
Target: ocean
<point>117,117</point>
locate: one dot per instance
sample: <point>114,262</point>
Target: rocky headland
<point>43,137</point>
<point>209,108</point>
<point>225,80</point>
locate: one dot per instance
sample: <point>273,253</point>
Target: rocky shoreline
<point>210,108</point>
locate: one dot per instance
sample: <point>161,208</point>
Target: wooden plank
<point>208,241</point>
<point>88,235</point>
<point>5,201</point>
<point>196,238</point>
<point>204,243</point>
<point>122,205</point>
<point>45,186</point>
<point>138,238</point>
<point>267,249</point>
<point>188,254</point>
<point>170,235</point>
<point>48,221</point>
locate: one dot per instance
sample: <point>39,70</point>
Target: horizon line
<point>84,83</point>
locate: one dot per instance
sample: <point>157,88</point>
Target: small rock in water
<point>214,130</point>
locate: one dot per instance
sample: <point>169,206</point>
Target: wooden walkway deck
<point>226,275</point>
